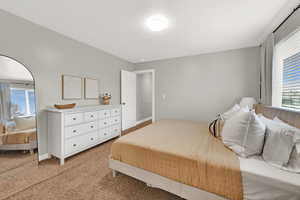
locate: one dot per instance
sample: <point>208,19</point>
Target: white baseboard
<point>143,120</point>
<point>44,157</point>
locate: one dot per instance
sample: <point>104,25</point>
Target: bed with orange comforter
<point>183,151</point>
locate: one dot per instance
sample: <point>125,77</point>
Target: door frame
<point>152,71</point>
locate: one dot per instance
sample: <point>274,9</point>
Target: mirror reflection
<point>18,133</point>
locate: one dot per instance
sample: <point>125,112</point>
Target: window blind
<point>291,82</point>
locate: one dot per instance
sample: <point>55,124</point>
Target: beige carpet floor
<point>85,176</point>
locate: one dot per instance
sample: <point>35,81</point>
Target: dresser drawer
<point>74,130</point>
<point>103,123</point>
<point>104,133</point>
<point>111,132</point>
<point>90,116</point>
<point>115,120</point>
<point>90,138</point>
<point>115,112</point>
<point>75,118</point>
<point>73,144</point>
<point>104,114</point>
<point>115,130</point>
<point>77,143</point>
<point>91,126</point>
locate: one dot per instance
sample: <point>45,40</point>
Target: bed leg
<point>62,161</point>
<point>114,173</point>
<point>31,151</point>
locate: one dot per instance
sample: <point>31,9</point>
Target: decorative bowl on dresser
<point>74,130</point>
<point>65,106</point>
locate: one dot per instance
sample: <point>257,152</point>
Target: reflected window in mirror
<point>23,102</point>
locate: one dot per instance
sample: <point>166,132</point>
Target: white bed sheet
<point>262,181</point>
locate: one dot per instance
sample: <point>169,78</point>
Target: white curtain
<point>266,70</point>
<point>5,103</point>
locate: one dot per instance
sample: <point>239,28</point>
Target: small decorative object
<point>248,101</point>
<point>106,98</point>
<point>65,106</point>
<point>71,87</point>
<point>91,88</point>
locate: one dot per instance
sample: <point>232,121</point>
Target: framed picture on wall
<point>71,87</point>
<point>91,90</point>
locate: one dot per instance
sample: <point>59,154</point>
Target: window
<point>286,73</point>
<point>23,102</point>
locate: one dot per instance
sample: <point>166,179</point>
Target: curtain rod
<point>295,9</point>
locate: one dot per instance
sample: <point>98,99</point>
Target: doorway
<point>137,97</point>
<point>18,132</point>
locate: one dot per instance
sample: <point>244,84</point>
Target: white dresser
<point>71,131</point>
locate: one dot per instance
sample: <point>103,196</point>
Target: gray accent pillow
<point>279,143</point>
<point>295,130</point>
<point>294,162</point>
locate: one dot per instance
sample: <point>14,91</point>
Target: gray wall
<point>48,55</point>
<point>144,96</point>
<point>199,87</point>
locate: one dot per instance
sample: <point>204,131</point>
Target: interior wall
<point>144,96</point>
<point>199,87</point>
<point>49,55</point>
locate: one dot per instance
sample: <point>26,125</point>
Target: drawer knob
<point>74,145</point>
<point>105,134</point>
<point>74,131</point>
<point>92,115</point>
<point>92,138</point>
<point>116,120</point>
<point>74,118</point>
<point>105,113</point>
<point>116,111</point>
<point>92,126</point>
<point>105,123</point>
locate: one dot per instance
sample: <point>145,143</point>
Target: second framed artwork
<point>91,90</point>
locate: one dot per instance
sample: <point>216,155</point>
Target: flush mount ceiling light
<point>157,23</point>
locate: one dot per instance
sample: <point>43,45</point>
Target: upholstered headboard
<point>290,117</point>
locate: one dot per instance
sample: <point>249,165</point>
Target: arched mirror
<point>18,133</point>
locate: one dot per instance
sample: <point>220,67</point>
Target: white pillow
<point>23,123</point>
<point>244,133</point>
<point>230,113</point>
<point>279,143</point>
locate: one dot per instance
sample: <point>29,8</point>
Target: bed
<point>18,139</point>
<point>183,158</point>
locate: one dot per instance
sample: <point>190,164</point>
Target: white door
<point>128,99</point>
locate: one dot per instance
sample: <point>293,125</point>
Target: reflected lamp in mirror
<point>248,102</point>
